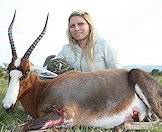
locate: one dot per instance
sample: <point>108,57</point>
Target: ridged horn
<point>14,54</point>
<point>29,51</point>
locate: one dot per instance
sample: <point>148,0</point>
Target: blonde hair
<point>89,48</point>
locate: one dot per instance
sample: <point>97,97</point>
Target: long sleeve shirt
<point>104,56</point>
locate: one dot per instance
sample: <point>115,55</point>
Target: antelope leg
<point>47,121</point>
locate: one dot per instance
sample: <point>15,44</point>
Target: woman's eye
<point>72,26</point>
<point>80,24</point>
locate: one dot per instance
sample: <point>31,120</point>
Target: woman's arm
<point>110,54</point>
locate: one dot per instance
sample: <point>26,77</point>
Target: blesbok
<point>105,98</point>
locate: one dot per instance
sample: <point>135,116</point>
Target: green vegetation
<point>8,121</point>
<point>159,79</point>
<point>156,72</point>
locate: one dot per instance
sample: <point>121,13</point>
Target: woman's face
<point>78,28</point>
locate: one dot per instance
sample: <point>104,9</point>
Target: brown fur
<point>66,88</point>
<point>83,96</point>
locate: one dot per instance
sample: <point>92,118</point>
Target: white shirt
<point>104,57</point>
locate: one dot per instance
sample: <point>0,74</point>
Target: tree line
<point>156,72</point>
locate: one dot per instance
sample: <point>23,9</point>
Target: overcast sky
<point>133,27</point>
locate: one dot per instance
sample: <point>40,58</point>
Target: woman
<point>85,51</point>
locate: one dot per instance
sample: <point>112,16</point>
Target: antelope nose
<point>7,109</point>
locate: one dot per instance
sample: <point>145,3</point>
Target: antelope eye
<point>21,78</point>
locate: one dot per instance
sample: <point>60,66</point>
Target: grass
<point>159,79</point>
<point>9,120</point>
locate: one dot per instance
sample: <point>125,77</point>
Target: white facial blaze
<point>17,62</point>
<point>13,89</point>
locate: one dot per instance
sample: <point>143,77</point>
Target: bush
<point>155,72</point>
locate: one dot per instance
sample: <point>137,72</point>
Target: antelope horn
<point>14,54</point>
<point>29,51</point>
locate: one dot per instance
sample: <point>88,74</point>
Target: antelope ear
<point>43,73</point>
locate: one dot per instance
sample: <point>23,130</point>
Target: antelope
<point>105,98</point>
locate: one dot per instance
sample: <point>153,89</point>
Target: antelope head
<point>19,69</point>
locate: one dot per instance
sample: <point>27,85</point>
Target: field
<point>8,121</point>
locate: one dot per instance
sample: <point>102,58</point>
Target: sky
<point>132,27</point>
